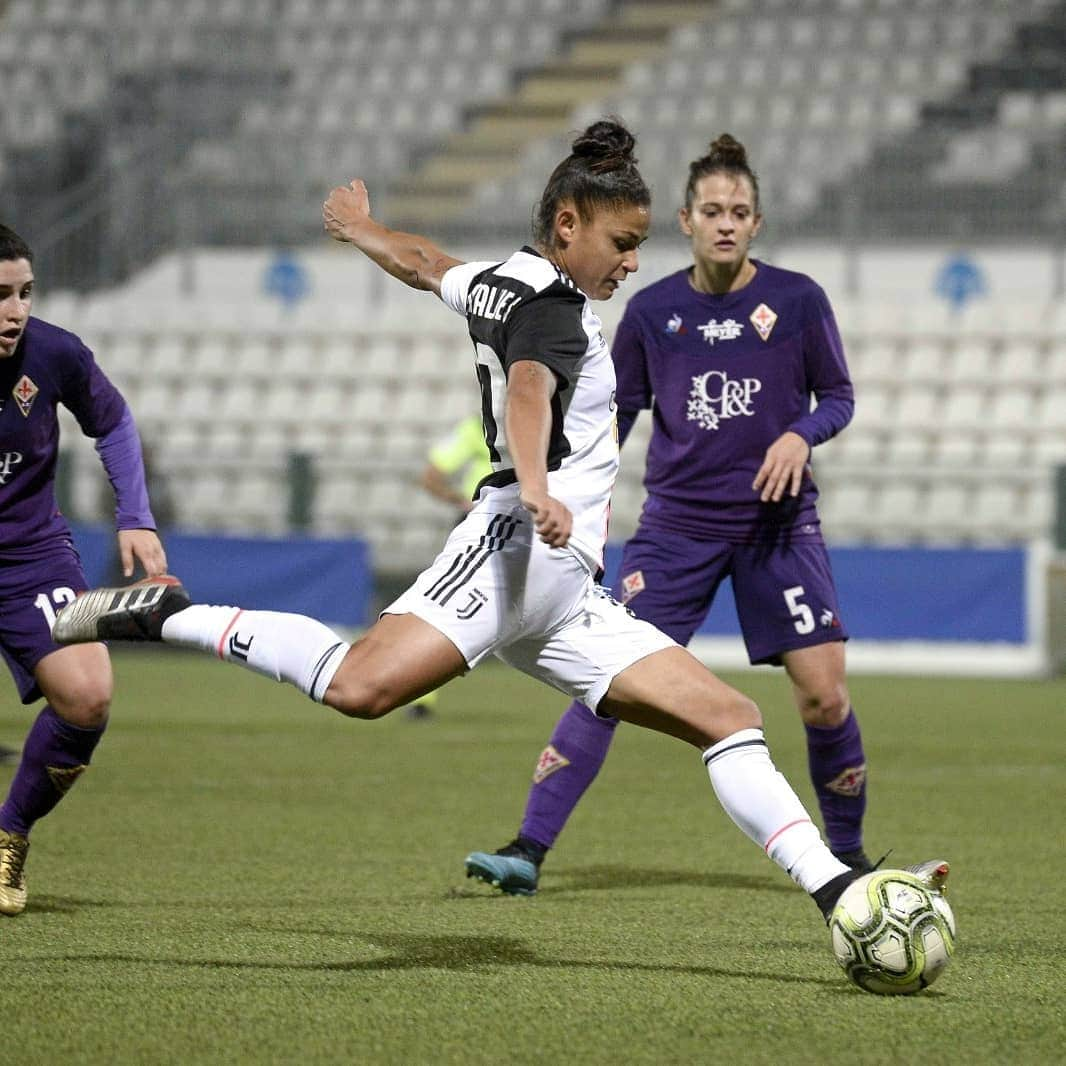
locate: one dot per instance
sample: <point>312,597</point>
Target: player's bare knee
<point>359,699</point>
<point>826,706</point>
<point>87,709</point>
<point>743,712</point>
<point>722,718</point>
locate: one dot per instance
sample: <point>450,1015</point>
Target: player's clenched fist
<point>345,209</point>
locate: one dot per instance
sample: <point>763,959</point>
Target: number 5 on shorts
<point>800,611</point>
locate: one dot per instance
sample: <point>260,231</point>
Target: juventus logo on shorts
<point>476,599</point>
<point>467,562</point>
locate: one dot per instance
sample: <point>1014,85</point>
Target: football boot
<point>511,869</point>
<point>133,612</point>
<point>933,874</point>
<point>13,849</point>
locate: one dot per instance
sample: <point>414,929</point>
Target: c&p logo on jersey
<point>715,395</point>
<point>7,461</point>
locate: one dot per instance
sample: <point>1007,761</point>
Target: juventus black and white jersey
<point>525,308</point>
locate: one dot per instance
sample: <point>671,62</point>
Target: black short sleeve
<point>548,329</point>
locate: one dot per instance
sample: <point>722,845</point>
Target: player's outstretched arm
<point>416,261</point>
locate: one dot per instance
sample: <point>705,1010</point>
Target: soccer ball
<point>891,934</point>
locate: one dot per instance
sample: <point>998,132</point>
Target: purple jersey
<point>725,376</point>
<point>49,367</point>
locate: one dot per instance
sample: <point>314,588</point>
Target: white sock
<point>758,798</point>
<point>285,647</point>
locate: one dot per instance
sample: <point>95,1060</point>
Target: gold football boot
<point>13,850</point>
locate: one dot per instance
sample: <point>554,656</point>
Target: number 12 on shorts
<point>800,611</point>
<point>47,604</point>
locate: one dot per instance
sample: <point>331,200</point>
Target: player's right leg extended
<point>400,658</point>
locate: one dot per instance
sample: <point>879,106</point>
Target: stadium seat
<point>1012,407</point>
<point>898,509</point>
<point>917,409</point>
<point>994,513</point>
<point>912,448</point>
<point>956,449</point>
<point>1007,449</point>
<point>845,508</point>
<point>924,362</point>
<point>964,409</point>
<point>945,515</point>
<point>1052,410</point>
<point>973,360</point>
<point>1022,362</point>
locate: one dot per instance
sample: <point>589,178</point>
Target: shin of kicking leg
<point>565,769</point>
<point>285,647</point>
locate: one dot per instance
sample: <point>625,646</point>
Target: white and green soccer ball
<point>891,934</point>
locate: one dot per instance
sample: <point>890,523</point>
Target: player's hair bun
<point>727,151</point>
<point>726,155</point>
<point>607,145</point>
<point>600,171</point>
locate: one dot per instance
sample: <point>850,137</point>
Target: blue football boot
<point>511,869</point>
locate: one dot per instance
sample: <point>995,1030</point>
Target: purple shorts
<point>31,591</point>
<point>784,592</point>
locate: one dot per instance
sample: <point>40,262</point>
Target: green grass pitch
<point>244,877</point>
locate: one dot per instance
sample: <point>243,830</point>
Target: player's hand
<point>551,519</point>
<point>783,468</point>
<point>345,210</point>
<point>143,546</point>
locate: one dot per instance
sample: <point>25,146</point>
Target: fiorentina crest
<point>25,392</point>
<point>848,782</point>
<point>632,584</point>
<point>763,319</point>
<point>63,777</point>
<point>550,760</point>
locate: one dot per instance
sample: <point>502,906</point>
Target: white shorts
<point>496,588</point>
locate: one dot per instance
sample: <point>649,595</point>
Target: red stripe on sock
<point>784,828</point>
<point>222,639</point>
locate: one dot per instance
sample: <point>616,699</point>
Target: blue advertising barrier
<point>924,594</point>
<point>327,579</point>
<point>953,595</point>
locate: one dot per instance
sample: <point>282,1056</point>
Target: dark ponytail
<point>726,155</point>
<point>601,171</point>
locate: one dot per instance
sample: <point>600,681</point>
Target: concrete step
<point>491,146</point>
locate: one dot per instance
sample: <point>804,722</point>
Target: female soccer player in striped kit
<point>728,353</point>
<point>516,577</point>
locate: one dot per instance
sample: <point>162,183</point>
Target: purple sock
<point>54,756</point>
<point>838,772</point>
<point>564,770</point>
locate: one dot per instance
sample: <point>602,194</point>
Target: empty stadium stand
<point>954,438</point>
<point>137,126</point>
